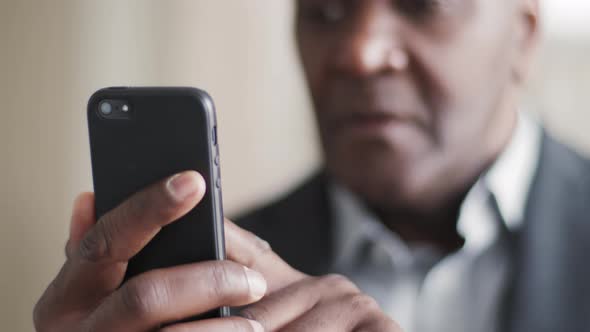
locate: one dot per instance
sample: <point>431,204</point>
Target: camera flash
<point>125,108</point>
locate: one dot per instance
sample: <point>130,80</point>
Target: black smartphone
<point>139,136</point>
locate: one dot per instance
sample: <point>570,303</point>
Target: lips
<point>374,103</point>
<point>373,121</point>
<point>377,116</point>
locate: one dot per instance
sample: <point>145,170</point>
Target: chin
<point>385,185</point>
<point>384,171</point>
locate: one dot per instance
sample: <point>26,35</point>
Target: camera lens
<point>106,108</point>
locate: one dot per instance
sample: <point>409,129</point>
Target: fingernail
<point>256,283</point>
<point>256,327</point>
<point>182,185</point>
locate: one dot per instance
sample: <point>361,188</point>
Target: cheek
<point>464,79</point>
<point>312,60</point>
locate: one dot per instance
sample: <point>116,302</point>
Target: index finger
<point>247,249</point>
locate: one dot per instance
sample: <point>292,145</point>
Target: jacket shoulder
<point>297,226</point>
<point>307,195</point>
<point>570,161</point>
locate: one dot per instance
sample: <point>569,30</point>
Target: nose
<point>371,43</point>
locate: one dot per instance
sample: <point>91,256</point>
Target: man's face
<point>413,97</point>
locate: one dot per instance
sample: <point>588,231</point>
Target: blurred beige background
<point>54,54</point>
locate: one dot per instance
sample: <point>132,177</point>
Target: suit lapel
<point>551,287</point>
<point>299,227</point>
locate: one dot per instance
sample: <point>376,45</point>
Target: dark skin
<point>415,99</point>
<point>87,294</point>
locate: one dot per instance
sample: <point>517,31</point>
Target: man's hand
<point>298,302</point>
<point>85,296</point>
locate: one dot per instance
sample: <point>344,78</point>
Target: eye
<point>419,8</point>
<point>323,12</point>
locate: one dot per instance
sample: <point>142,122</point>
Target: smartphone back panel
<point>169,130</point>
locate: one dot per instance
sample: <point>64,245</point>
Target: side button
<point>218,183</point>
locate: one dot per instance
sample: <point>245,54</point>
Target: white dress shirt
<point>423,290</point>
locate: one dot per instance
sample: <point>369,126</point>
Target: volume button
<point>214,135</point>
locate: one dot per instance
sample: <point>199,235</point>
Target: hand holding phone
<point>87,294</point>
<point>146,253</point>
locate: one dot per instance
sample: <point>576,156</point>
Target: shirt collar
<point>508,181</point>
<point>511,176</point>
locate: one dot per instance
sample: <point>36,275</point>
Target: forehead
<point>435,14</point>
<point>435,4</point>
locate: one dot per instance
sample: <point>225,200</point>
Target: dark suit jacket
<point>550,290</point>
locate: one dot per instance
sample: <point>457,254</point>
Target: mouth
<point>375,123</point>
<point>384,109</point>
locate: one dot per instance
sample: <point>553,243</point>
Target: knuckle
<point>362,303</point>
<point>260,249</point>
<point>335,279</point>
<point>222,276</point>
<point>338,282</point>
<point>143,298</point>
<point>96,244</point>
<point>259,312</point>
<point>262,246</point>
